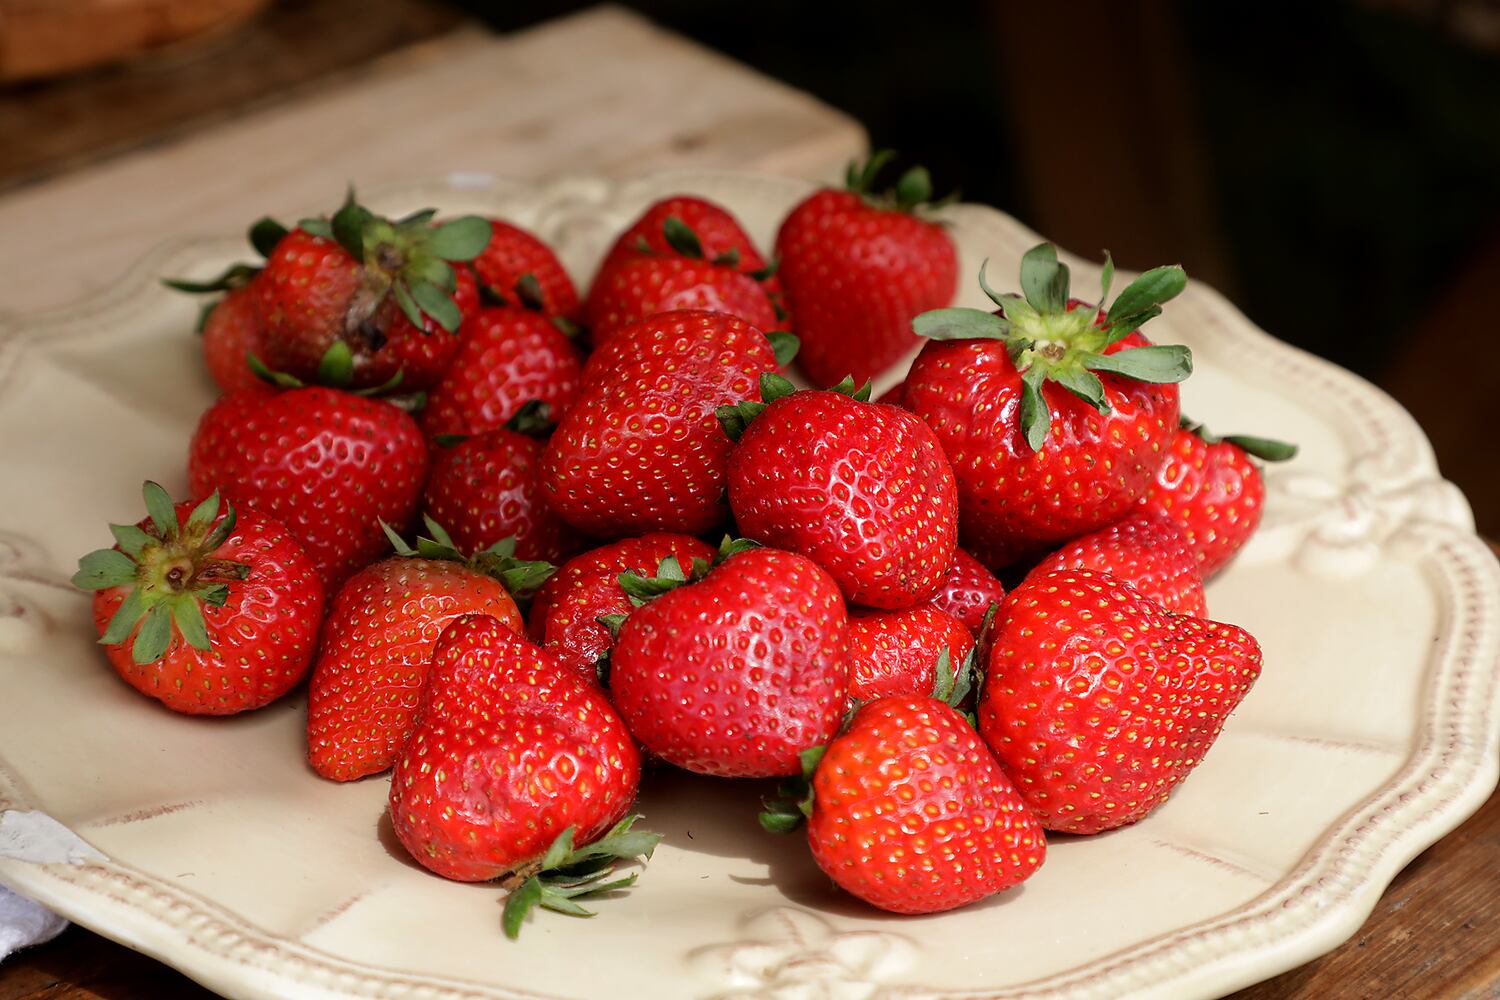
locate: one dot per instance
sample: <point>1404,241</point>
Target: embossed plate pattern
<point>210,845</point>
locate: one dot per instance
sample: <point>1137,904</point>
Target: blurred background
<point>1332,165</point>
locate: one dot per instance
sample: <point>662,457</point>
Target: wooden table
<point>465,100</point>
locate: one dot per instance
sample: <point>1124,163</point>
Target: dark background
<point>1332,165</point>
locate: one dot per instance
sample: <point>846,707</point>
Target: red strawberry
<point>1098,702</point>
<point>1211,488</point>
<point>968,591</point>
<point>487,488</point>
<point>1147,551</point>
<point>857,267</point>
<point>377,644</point>
<point>734,675</point>
<point>515,266</point>
<point>327,464</point>
<point>360,299</point>
<point>642,450</point>
<point>897,652</point>
<point>508,358</point>
<point>861,488</point>
<point>895,395</point>
<point>513,761</point>
<point>687,226</point>
<point>231,331</point>
<point>565,615</point>
<point>912,814</point>
<point>1054,416</point>
<point>207,609</point>
<point>646,285</point>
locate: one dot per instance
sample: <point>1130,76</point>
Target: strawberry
<point>968,591</point>
<point>642,450</point>
<point>688,226</point>
<point>377,644</point>
<point>1054,416</point>
<point>328,464</point>
<point>861,488</point>
<point>1098,701</point>
<point>565,617</point>
<point>487,488</point>
<point>898,652</point>
<point>1212,489</point>
<point>370,299</point>
<point>645,285</point>
<point>895,395</point>
<point>232,330</point>
<point>512,763</point>
<point>1147,551</point>
<point>911,813</point>
<point>857,267</point>
<point>508,358</point>
<point>517,268</point>
<point>209,610</point>
<point>735,674</point>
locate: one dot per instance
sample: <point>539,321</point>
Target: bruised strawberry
<point>565,617</point>
<point>484,489</point>
<point>207,609</point>
<point>1211,488</point>
<point>327,464</point>
<point>857,267</point>
<point>912,814</point>
<point>1098,701</point>
<point>898,652</point>
<point>1147,551</point>
<point>861,488</point>
<point>515,763</point>
<point>516,268</point>
<point>968,591</point>
<point>377,644</point>
<point>1055,416</point>
<point>735,674</point>
<point>642,449</point>
<point>509,357</point>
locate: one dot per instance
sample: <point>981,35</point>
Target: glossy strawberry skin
<point>968,590</point>
<point>232,331</point>
<point>912,814</point>
<point>508,358</point>
<point>376,647</point>
<point>1214,492</point>
<point>1091,470</point>
<point>306,291</point>
<point>855,276</point>
<point>1098,702</point>
<point>1147,551</point>
<point>736,674</point>
<point>511,254</point>
<point>487,488</point>
<point>895,653</point>
<point>861,488</point>
<point>509,750</point>
<point>327,464</point>
<point>565,614</point>
<point>717,230</point>
<point>642,450</point>
<point>262,637</point>
<point>645,285</point>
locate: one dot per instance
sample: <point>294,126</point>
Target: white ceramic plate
<point>209,843</point>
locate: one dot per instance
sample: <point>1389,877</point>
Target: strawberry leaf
<point>534,419</point>
<point>349,224</point>
<point>1044,279</point>
<point>1106,277</point>
<point>336,366</point>
<point>1084,384</point>
<point>459,239</point>
<point>104,568</point>
<point>1141,299</point>
<point>163,512</point>
<point>436,303</point>
<point>234,276</point>
<point>265,234</point>
<point>263,372</point>
<point>529,292</point>
<point>1036,416</point>
<point>1267,449</point>
<point>913,188</point>
<point>681,238</point>
<point>123,620</point>
<point>846,388</point>
<point>203,515</point>
<point>960,324</point>
<point>188,617</point>
<point>1159,363</point>
<point>130,538</point>
<point>407,304</point>
<point>154,637</point>
<point>784,345</point>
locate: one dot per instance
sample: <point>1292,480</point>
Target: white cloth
<point>24,923</point>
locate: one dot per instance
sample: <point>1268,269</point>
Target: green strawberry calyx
<point>409,259</point>
<point>794,795</point>
<point>263,235</point>
<point>911,194</point>
<point>522,578</point>
<point>670,575</point>
<point>335,371</point>
<point>171,571</point>
<point>736,417</point>
<point>1263,448</point>
<point>565,874</point>
<point>1051,339</point>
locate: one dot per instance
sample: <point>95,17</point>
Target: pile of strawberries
<point>423,431</point>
